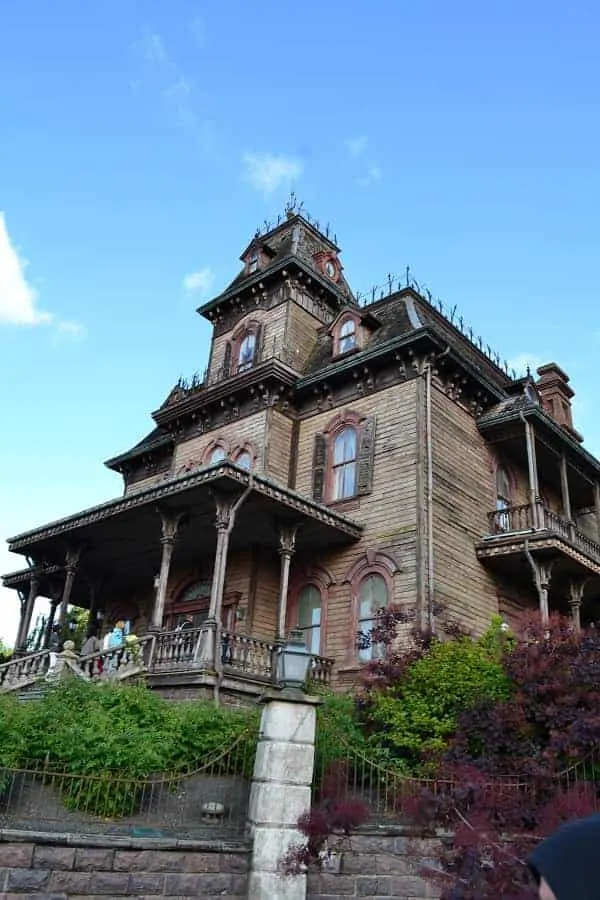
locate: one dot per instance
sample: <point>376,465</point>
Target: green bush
<point>110,738</point>
<point>414,719</point>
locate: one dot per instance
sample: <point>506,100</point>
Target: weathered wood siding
<point>388,513</point>
<point>464,492</point>
<point>234,435</point>
<point>278,446</point>
<point>300,334</point>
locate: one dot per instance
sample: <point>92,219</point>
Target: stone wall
<point>96,867</point>
<point>386,865</point>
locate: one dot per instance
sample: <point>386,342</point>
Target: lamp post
<point>293,663</point>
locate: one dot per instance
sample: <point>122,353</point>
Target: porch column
<point>287,547</point>
<point>71,566</point>
<point>597,505</point>
<point>565,496</point>
<point>170,527</point>
<point>545,573</point>
<point>50,621</point>
<point>27,614</point>
<point>576,588</point>
<point>533,473</point>
<point>208,648</point>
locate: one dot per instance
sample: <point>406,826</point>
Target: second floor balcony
<point>536,525</point>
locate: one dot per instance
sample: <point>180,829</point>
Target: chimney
<point>556,395</point>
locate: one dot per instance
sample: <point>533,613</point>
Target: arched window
<point>502,499</point>
<point>246,352</point>
<point>309,616</point>
<point>373,595</point>
<point>216,455</point>
<point>244,459</point>
<point>347,336</point>
<point>343,464</point>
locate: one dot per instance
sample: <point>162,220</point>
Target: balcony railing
<point>536,518</point>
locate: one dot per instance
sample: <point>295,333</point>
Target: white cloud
<point>374,174</point>
<point>266,172</point>
<point>356,145</point>
<point>74,331</point>
<point>199,282</point>
<point>522,361</point>
<point>153,47</point>
<point>17,296</point>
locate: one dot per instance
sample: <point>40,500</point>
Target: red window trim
<point>321,579</point>
<point>349,316</point>
<point>372,563</point>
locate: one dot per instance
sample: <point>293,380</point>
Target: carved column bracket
<point>72,559</point>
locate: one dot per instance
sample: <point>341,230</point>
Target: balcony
<point>515,528</point>
<point>166,657</point>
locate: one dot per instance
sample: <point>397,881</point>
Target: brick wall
<point>97,867</point>
<point>382,866</point>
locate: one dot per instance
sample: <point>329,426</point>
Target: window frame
<point>319,578</point>
<point>503,499</point>
<point>338,469</point>
<point>373,562</point>
<point>365,428</point>
<point>253,264</point>
<point>251,328</point>
<point>339,338</point>
<point>174,609</point>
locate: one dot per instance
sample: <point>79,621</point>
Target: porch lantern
<point>294,661</point>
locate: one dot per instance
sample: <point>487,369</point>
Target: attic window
<point>246,352</point>
<point>346,338</point>
<point>253,261</point>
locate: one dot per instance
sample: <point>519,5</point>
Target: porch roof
<point>120,539</point>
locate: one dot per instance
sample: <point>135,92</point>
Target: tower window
<point>247,352</point>
<point>346,336</point>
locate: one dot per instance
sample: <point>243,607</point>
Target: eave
<point>245,286</point>
<point>495,421</point>
<point>271,370</point>
<point>225,475</point>
<point>116,462</point>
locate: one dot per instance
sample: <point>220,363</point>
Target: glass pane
<point>217,455</point>
<point>347,328</point>
<point>247,350</point>
<point>344,447</point>
<point>309,606</point>
<point>502,484</point>
<point>244,460</point>
<point>373,593</point>
<point>313,640</point>
<point>200,590</point>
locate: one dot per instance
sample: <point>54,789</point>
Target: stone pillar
<point>287,547</point>
<point>71,566</point>
<point>170,528</point>
<point>281,791</point>
<point>26,615</point>
<point>576,589</point>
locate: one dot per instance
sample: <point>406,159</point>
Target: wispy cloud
<point>356,145</point>
<point>266,172</point>
<point>18,298</point>
<point>198,29</point>
<point>522,361</point>
<point>200,282</point>
<point>72,331</point>
<point>174,87</point>
<point>373,174</point>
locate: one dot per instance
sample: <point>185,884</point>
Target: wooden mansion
<point>338,456</point>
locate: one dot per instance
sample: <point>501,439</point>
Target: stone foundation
<point>96,867</point>
<point>387,865</point>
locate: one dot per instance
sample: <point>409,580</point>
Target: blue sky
<point>143,142</point>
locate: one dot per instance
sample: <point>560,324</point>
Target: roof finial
<point>290,206</point>
<point>528,372</point>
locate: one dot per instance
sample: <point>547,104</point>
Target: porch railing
<point>537,518</point>
<point>167,652</point>
<point>24,670</point>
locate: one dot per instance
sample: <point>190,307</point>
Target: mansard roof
<point>157,438</point>
<point>294,240</point>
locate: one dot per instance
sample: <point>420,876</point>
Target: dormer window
<point>247,352</point>
<point>346,336</point>
<point>253,261</point>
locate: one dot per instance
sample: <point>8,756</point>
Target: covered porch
<point>128,547</point>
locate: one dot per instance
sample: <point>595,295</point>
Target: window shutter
<point>366,455</point>
<point>227,360</point>
<point>319,464</point>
